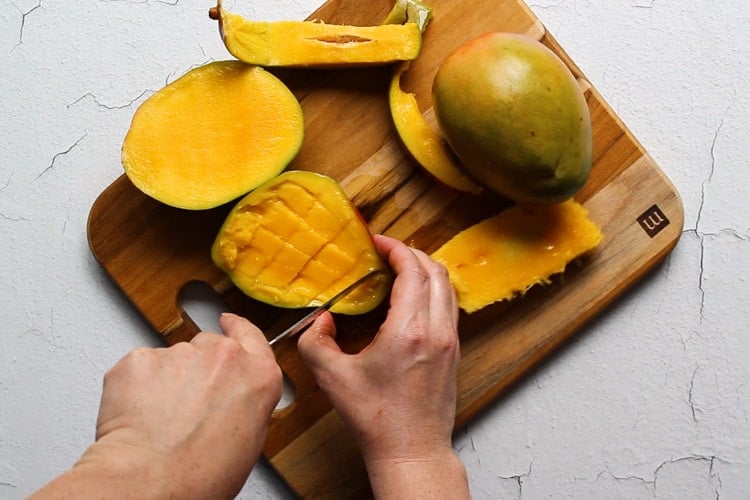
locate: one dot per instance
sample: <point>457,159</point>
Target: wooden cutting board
<point>151,251</point>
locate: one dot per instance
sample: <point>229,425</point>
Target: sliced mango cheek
<point>507,254</point>
<point>297,241</point>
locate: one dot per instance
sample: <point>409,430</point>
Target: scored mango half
<point>315,44</point>
<point>522,246</point>
<point>296,242</point>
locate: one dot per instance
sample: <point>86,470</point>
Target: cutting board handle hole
<point>203,306</point>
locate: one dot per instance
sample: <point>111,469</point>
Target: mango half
<point>297,241</point>
<point>515,116</point>
<point>211,136</point>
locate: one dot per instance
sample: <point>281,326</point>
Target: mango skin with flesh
<point>298,240</point>
<point>516,118</point>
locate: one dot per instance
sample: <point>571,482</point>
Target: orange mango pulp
<point>212,135</point>
<point>505,255</point>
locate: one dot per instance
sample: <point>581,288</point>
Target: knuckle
<point>212,339</point>
<point>420,274</point>
<point>423,275</point>
<point>276,380</point>
<point>417,337</point>
<point>138,356</point>
<point>226,349</point>
<point>447,344</point>
<point>135,361</point>
<point>269,378</point>
<point>438,342</point>
<point>181,348</point>
<point>440,270</point>
<point>228,345</point>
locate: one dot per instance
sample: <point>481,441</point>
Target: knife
<point>308,318</point>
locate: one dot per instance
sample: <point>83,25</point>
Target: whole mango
<point>516,118</point>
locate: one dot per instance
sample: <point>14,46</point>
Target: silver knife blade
<point>308,318</point>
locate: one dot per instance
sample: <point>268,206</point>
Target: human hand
<point>187,421</point>
<point>399,393</point>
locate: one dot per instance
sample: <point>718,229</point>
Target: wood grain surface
<point>152,251</point>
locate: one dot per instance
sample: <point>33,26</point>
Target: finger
<point>422,292</point>
<point>411,286</point>
<point>204,339</point>
<point>317,346</point>
<point>244,332</point>
<point>443,302</point>
<point>392,250</point>
<point>437,273</point>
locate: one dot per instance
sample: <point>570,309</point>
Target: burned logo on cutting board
<point>653,220</point>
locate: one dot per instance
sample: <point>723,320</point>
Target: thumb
<point>317,345</point>
<point>244,332</point>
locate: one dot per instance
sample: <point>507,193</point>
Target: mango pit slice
<point>315,44</point>
<point>297,241</point>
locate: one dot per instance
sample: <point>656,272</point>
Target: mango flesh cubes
<point>297,241</point>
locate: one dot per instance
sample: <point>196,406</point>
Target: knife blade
<point>308,318</point>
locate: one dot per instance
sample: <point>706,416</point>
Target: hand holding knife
<point>310,317</point>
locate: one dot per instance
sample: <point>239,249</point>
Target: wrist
<point>106,473</point>
<point>437,474</point>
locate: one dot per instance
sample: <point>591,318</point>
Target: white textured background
<point>651,400</point>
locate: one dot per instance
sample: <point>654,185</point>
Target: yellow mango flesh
<point>422,141</point>
<point>212,135</point>
<point>310,43</point>
<point>505,255</point>
<point>297,241</point>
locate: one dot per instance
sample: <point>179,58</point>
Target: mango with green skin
<point>516,118</point>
